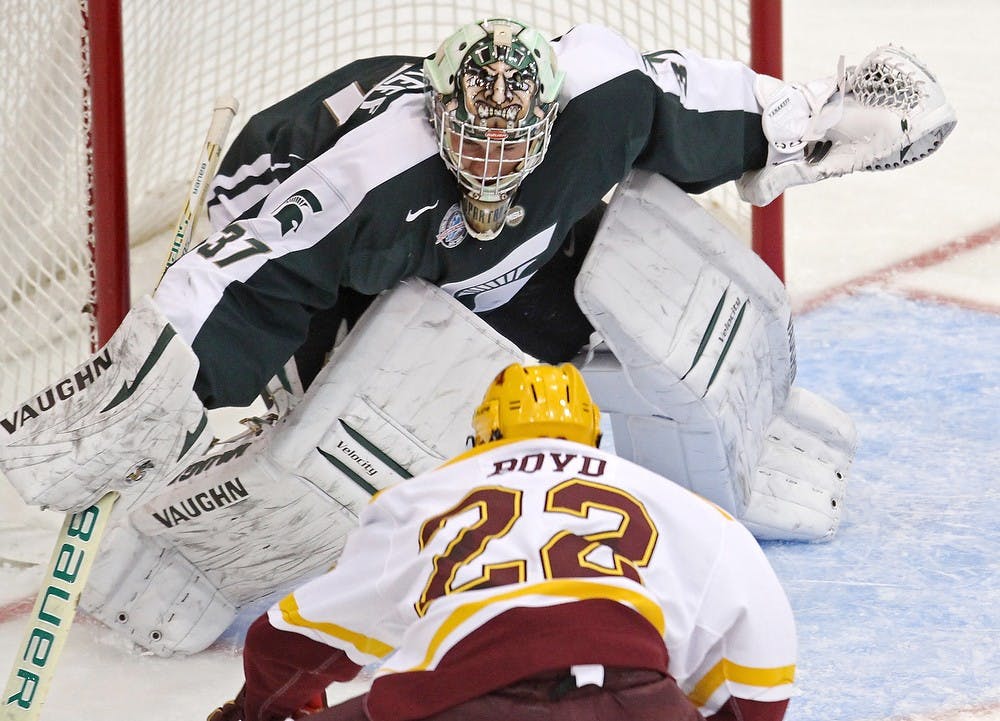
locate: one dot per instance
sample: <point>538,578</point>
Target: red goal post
<point>81,76</point>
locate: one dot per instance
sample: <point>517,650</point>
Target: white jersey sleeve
<point>744,638</point>
<point>347,608</point>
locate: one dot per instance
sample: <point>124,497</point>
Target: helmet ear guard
<point>540,401</point>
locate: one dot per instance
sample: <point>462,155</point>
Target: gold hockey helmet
<point>539,401</point>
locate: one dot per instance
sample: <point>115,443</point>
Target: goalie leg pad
<point>121,421</point>
<point>251,525</point>
<point>802,474</point>
<point>682,451</point>
<point>398,394</point>
<point>151,594</point>
<point>691,454</point>
<point>259,513</point>
<point>701,329</point>
<point>700,326</point>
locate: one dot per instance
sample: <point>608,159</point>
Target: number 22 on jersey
<point>564,555</point>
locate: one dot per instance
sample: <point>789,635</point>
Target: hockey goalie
<point>393,235</point>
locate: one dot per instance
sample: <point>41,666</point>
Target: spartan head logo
<point>292,212</point>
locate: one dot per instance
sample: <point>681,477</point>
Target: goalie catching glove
<point>886,112</point>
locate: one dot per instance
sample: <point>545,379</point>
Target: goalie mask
<point>540,401</point>
<point>491,96</point>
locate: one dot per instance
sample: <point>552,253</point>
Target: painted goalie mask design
<point>491,97</point>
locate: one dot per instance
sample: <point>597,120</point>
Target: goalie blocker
<point>120,421</point>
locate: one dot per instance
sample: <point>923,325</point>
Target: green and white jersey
<point>341,186</point>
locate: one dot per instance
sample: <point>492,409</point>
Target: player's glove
<point>231,710</point>
<point>234,710</point>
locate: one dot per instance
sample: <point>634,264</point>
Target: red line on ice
<point>14,609</point>
<point>935,256</point>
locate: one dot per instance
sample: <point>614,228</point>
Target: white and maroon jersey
<point>512,559</point>
<point>341,187</point>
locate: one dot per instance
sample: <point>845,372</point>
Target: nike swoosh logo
<point>127,389</point>
<point>414,214</point>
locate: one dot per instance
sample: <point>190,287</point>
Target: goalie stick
<point>211,153</point>
<point>81,533</point>
<point>54,609</point>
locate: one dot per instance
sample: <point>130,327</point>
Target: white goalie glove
<point>886,112</point>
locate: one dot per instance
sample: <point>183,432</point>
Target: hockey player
<point>464,190</point>
<point>377,203</point>
<point>533,576</point>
